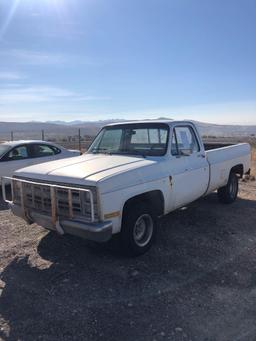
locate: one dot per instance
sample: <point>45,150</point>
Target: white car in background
<point>19,154</point>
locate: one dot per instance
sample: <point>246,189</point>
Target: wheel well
<point>238,169</point>
<point>154,199</point>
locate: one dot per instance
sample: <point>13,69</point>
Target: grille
<point>69,202</point>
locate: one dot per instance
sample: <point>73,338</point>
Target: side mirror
<point>186,151</point>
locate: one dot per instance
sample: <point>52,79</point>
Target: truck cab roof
<point>157,121</point>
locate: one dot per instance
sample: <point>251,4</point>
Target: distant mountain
<point>63,122</point>
<point>83,123</point>
<point>62,129</point>
<point>52,130</point>
<point>210,129</point>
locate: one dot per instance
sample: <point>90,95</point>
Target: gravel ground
<point>197,283</point>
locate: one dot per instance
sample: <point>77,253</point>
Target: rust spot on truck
<point>170,180</point>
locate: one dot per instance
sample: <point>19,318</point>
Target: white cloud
<point>40,94</point>
<point>43,58</point>
<point>32,57</point>
<point>92,98</point>
<point>10,76</point>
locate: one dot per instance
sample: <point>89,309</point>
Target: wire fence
<point>76,140</point>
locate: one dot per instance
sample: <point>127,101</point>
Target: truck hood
<point>85,169</point>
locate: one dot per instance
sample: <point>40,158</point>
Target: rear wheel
<point>138,229</point>
<point>228,193</point>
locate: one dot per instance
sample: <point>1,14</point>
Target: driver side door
<point>191,169</point>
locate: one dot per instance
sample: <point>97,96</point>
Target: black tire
<point>138,229</point>
<point>228,193</point>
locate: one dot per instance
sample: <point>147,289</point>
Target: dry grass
<point>254,161</point>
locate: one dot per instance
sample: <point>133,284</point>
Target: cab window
<point>183,139</point>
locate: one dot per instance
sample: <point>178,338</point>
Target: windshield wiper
<point>129,152</point>
<point>118,152</point>
<point>99,150</point>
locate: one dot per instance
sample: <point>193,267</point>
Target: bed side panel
<point>223,159</point>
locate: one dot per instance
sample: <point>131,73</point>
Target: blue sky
<point>101,59</point>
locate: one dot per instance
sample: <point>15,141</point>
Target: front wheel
<point>228,193</point>
<point>138,229</point>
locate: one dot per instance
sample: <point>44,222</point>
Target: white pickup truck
<point>132,174</point>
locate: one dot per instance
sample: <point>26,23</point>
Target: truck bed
<point>223,157</point>
<point>216,145</point>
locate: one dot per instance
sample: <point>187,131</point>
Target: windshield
<point>3,149</point>
<point>133,139</point>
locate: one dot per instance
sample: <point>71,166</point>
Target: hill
<point>61,129</point>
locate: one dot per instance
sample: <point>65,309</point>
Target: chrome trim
<point>53,205</point>
<point>53,189</point>
<point>4,184</point>
<point>98,231</point>
<point>70,203</point>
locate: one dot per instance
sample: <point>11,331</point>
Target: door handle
<point>201,155</point>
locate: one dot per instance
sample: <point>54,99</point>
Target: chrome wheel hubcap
<point>143,230</point>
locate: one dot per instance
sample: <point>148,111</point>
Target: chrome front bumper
<point>99,232</point>
<point>92,229</point>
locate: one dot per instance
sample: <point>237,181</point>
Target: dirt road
<point>197,283</point>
